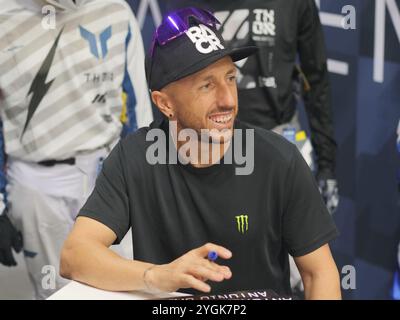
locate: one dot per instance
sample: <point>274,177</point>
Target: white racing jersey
<point>62,84</point>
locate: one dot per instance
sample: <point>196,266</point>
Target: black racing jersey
<point>174,208</point>
<point>283,30</point>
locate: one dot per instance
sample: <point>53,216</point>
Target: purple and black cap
<point>186,42</point>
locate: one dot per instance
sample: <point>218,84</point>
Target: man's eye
<point>232,78</point>
<point>206,86</point>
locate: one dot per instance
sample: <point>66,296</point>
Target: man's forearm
<point>322,286</point>
<point>100,267</point>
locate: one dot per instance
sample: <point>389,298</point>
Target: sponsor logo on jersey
<point>264,22</point>
<point>242,223</point>
<point>100,98</point>
<point>97,78</point>
<point>91,38</point>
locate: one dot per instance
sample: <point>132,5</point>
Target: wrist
<point>148,280</point>
<point>146,276</point>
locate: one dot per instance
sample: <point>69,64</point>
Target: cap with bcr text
<point>197,48</point>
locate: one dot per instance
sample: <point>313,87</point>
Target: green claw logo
<point>242,223</point>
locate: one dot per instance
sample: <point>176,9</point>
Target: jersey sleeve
<point>307,225</point>
<point>108,203</point>
<point>138,105</point>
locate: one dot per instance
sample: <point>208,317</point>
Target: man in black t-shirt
<point>291,63</point>
<point>200,182</point>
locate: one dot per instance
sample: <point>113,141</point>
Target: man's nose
<point>225,96</point>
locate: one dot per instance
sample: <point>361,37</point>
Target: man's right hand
<point>9,238</point>
<point>191,270</point>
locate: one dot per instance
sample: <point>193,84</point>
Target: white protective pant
<point>44,202</point>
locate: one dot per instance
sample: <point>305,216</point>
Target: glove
<point>330,193</point>
<point>9,238</point>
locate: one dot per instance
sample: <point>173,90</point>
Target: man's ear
<point>162,101</point>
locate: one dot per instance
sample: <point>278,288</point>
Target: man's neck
<point>214,151</point>
<point>200,151</point>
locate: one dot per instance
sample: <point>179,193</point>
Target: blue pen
<point>212,256</point>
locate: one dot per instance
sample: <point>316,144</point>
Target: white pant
<point>44,202</point>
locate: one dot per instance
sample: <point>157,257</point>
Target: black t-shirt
<point>173,208</point>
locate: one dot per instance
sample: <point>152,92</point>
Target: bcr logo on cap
<point>205,39</point>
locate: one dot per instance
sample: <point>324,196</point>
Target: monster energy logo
<point>242,223</point>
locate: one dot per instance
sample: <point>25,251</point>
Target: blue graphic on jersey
<point>90,37</point>
<point>104,36</point>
